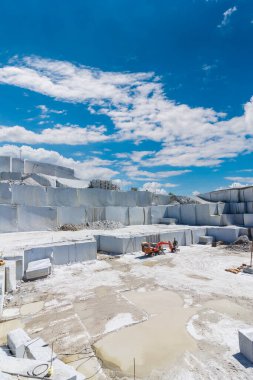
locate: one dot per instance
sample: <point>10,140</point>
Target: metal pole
<point>134,368</point>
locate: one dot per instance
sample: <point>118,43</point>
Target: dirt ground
<point>174,316</point>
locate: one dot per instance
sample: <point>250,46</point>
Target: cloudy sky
<point>150,93</point>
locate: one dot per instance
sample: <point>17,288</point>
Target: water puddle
<point>31,308</point>
<point>156,343</point>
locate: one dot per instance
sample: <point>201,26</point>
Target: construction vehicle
<point>152,249</point>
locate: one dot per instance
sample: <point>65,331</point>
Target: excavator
<point>152,249</point>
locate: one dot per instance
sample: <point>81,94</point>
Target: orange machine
<point>153,249</point>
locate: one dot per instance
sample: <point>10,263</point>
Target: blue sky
<point>152,93</point>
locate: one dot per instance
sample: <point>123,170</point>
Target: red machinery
<point>153,249</point>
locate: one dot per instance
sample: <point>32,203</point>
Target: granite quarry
<point>75,282</point>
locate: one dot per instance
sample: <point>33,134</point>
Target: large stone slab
<point>71,215</point>
<point>19,265</point>
<point>5,164</point>
<point>246,343</point>
<point>157,213</point>
<point>204,212</point>
<point>226,234</point>
<point>188,214</point>
<point>249,207</point>
<point>179,235</point>
<point>63,253</point>
<point>10,276</point>
<point>38,269</point>
<point>121,244</point>
<point>36,218</point>
<point>117,214</point>
<point>26,195</point>
<point>197,233</point>
<point>49,169</point>
<point>248,220</point>
<point>174,212</point>
<point>136,215</point>
<point>237,208</point>
<point>61,196</point>
<point>8,218</point>
<point>16,341</point>
<point>5,193</point>
<point>17,165</point>
<point>246,194</point>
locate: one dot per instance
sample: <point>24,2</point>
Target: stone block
<point>10,176</point>
<point>32,218</point>
<point>196,233</point>
<point>16,341</point>
<point>19,265</point>
<point>10,276</point>
<point>136,215</point>
<point>5,193</point>
<point>227,219</point>
<point>206,239</point>
<point>188,214</point>
<point>48,169</point>
<point>117,214</point>
<point>204,212</point>
<point>249,207</point>
<point>5,164</point>
<point>61,196</point>
<point>226,234</point>
<point>174,212</point>
<point>179,235</point>
<point>37,349</point>
<point>237,208</point>
<point>246,343</point>
<point>26,195</point>
<point>158,212</point>
<point>247,194</point>
<point>63,253</point>
<point>17,165</point>
<point>147,215</point>
<point>143,198</point>
<point>8,218</point>
<point>38,269</point>
<point>248,220</point>
<point>71,215</point>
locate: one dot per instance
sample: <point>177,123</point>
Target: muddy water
<point>31,308</point>
<point>156,343</point>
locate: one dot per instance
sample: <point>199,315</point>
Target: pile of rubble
<point>242,244</point>
<point>181,199</point>
<point>100,225</point>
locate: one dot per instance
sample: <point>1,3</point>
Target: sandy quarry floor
<point>176,315</point>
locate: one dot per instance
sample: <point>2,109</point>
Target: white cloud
<point>135,173</point>
<point>156,187</point>
<point>241,179</point>
<point>45,111</point>
<point>238,184</point>
<point>226,16</point>
<point>86,169</point>
<point>60,134</point>
<point>140,111</point>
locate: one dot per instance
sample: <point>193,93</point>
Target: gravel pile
<point>242,244</point>
<point>181,199</point>
<point>100,225</point>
